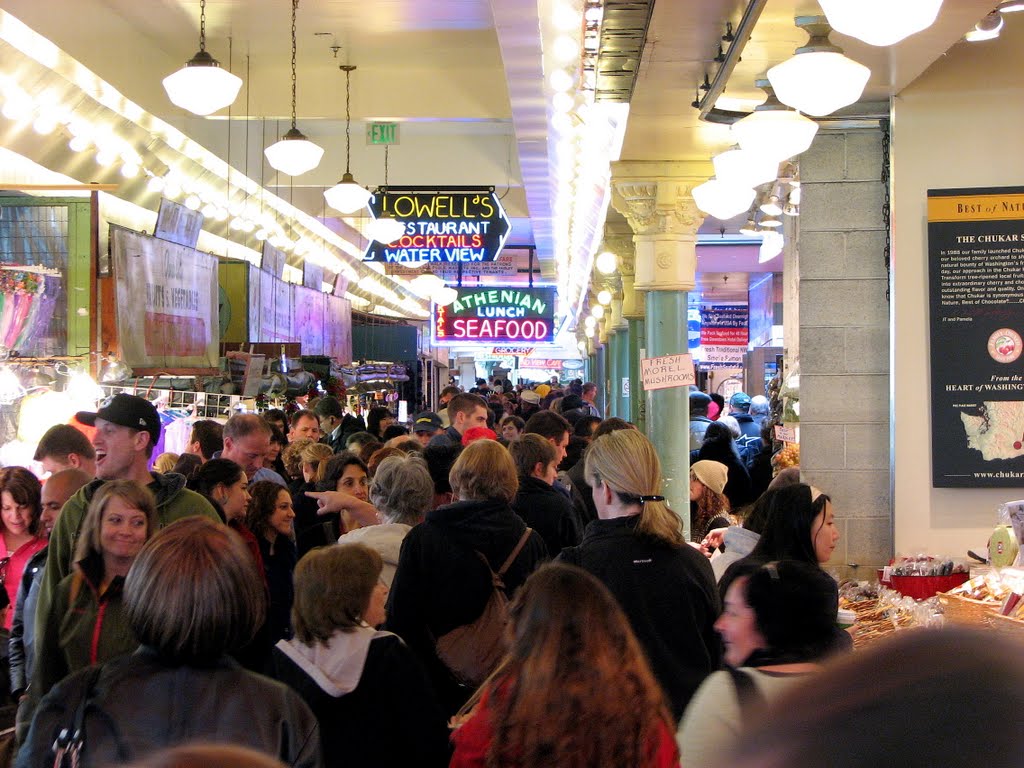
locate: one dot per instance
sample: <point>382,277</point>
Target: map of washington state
<point>998,432</point>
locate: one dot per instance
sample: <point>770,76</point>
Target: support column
<point>614,373</point>
<point>637,347</point>
<point>601,377</point>
<point>655,199</point>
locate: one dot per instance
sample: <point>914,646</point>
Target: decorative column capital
<point>656,199</point>
<point>655,196</point>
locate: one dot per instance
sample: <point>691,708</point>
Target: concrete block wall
<point>844,342</point>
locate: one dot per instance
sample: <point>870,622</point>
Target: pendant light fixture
<point>202,86</point>
<point>986,29</point>
<point>347,196</point>
<point>386,229</point>
<point>772,130</point>
<point>819,79</point>
<point>880,22</point>
<point>294,154</point>
<point>745,168</point>
<point>721,199</point>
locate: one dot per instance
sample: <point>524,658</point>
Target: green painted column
<point>613,373</point>
<point>668,410</point>
<point>624,384</point>
<point>637,345</point>
<point>601,376</point>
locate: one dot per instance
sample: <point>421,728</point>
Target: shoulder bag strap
<point>515,552</point>
<point>746,691</point>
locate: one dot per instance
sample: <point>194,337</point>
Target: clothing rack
<point>198,405</point>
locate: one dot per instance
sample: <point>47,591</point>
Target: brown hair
<point>551,702</point>
<point>529,450</point>
<point>627,462</point>
<point>200,755</point>
<point>333,586</point>
<point>131,493</point>
<point>710,504</point>
<point>291,456</point>
<point>379,455</point>
<point>263,498</point>
<point>60,441</point>
<point>193,593</point>
<point>464,402</point>
<point>484,470</point>
<point>244,424</point>
<point>24,488</point>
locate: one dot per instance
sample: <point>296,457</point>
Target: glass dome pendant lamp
<point>347,195</point>
<point>294,154</point>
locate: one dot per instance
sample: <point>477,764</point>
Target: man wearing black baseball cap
<point>127,429</point>
<point>425,425</point>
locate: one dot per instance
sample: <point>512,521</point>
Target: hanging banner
<point>167,314</point>
<point>309,319</point>
<point>976,294</point>
<point>496,314</point>
<point>338,329</point>
<point>457,224</point>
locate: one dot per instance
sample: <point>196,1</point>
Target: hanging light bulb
<point>386,229</point>
<point>606,262</point>
<point>721,199</point>
<point>771,246</point>
<point>294,154</point>
<point>604,297</point>
<point>347,195</point>
<point>202,86</point>
<point>818,79</point>
<point>773,205</point>
<point>986,29</point>
<point>597,311</point>
<point>772,130</point>
<point>771,221</point>
<point>750,228</point>
<point>880,22</point>
<point>10,387</point>
<point>445,296</point>
<point>114,370</point>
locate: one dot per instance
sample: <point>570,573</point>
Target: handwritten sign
<point>667,372</point>
<point>786,434</point>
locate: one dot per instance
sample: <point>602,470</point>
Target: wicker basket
<point>962,610</point>
<point>1006,625</point>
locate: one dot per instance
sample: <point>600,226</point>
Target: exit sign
<point>382,133</point>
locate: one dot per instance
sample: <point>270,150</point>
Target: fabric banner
<point>309,319</point>
<point>167,309</point>
<point>338,329</point>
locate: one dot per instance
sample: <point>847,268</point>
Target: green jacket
<point>174,501</point>
<point>83,627</point>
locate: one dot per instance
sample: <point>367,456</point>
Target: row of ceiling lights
<point>202,86</point>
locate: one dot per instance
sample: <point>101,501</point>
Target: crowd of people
<point>466,591</point>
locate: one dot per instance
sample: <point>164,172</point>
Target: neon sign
<point>454,225</point>
<point>497,314</point>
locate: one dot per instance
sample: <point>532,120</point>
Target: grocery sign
<point>447,226</point>
<point>497,315</point>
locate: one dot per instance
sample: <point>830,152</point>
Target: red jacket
<point>473,739</point>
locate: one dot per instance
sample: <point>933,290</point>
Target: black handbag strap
<point>747,693</point>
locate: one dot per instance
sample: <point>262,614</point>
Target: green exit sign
<point>382,133</point>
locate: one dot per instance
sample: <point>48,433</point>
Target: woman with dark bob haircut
<point>442,583</point>
<point>20,529</point>
<point>271,518</point>
<point>358,681</point>
<point>778,624</point>
<point>575,688</point>
<point>193,596</point>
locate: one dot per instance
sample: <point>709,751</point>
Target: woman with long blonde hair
<point>638,550</point>
<point>575,689</point>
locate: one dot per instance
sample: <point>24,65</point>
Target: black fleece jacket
<point>441,584</point>
<point>669,595</point>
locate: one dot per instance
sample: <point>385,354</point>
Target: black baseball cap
<point>427,421</point>
<point>126,411</point>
